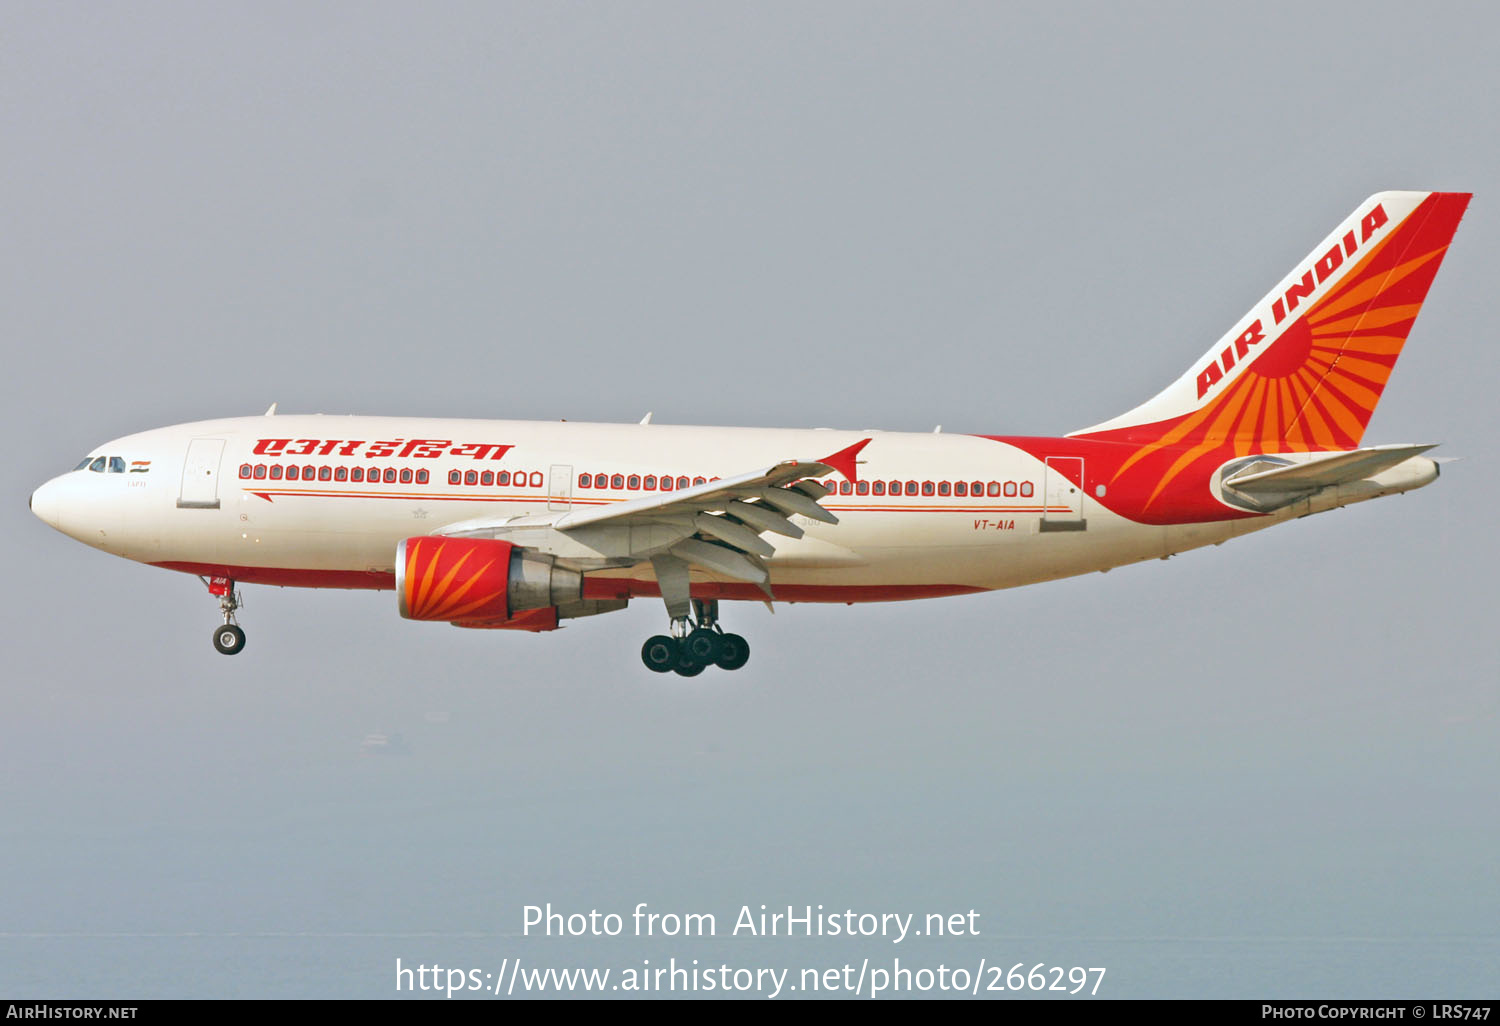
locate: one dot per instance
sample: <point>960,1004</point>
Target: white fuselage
<point>187,502</point>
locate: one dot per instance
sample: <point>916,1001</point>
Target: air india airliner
<point>520,525</point>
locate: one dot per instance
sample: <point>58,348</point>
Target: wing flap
<point>764,519</point>
<point>738,535</point>
<point>723,560</point>
<point>792,501</point>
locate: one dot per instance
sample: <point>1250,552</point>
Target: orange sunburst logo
<point>454,578</point>
<point>1309,384</point>
<point>1315,387</point>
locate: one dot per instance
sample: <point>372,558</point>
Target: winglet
<point>844,460</point>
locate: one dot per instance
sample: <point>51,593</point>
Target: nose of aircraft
<point>47,504</point>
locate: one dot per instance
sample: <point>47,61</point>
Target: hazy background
<point>1265,769</point>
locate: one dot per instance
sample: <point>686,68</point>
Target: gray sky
<point>1265,769</point>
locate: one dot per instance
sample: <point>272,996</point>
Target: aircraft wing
<point>730,516</point>
<point>716,495</point>
<point>718,525</point>
<point>1336,468</point>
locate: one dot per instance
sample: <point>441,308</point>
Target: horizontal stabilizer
<point>1333,469</point>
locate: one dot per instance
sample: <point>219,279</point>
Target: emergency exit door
<point>560,487</point>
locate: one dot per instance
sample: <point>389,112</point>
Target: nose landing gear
<point>695,644</point>
<point>230,638</point>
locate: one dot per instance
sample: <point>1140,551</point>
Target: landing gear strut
<point>230,638</point>
<point>695,643</point>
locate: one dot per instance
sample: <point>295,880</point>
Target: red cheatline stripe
<point>610,502</point>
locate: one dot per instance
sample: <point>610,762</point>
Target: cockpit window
<point>103,464</point>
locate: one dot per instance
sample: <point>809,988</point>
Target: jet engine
<point>474,580</point>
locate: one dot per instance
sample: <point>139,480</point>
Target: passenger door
<point>200,474</point>
<point>1063,509</point>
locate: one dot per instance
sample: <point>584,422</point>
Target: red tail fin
<point>1304,369</point>
<point>1301,372</point>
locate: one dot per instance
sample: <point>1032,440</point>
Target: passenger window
<point>454,477</point>
<point>700,480</point>
<point>357,474</point>
<point>84,463</point>
<point>879,487</point>
<point>502,478</point>
<point>117,464</point>
<point>471,477</point>
<point>862,488</point>
<point>390,475</point>
<point>373,474</point>
<point>961,489</point>
<point>649,483</point>
<point>244,471</point>
<point>423,477</point>
<point>945,488</point>
<point>487,477</point>
<point>406,475</point>
<point>536,479</point>
<point>292,473</point>
<point>994,488</point>
<point>584,481</point>
<point>618,481</point>
<point>976,489</point>
<point>341,474</point>
<point>682,482</point>
<point>276,472</point>
<point>325,473</point>
<point>260,471</point>
<point>846,487</point>
<point>928,488</point>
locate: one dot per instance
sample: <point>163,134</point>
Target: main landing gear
<point>230,638</point>
<point>695,644</point>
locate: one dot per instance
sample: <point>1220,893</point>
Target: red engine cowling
<point>478,580</point>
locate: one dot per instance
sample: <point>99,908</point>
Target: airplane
<point>521,525</point>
